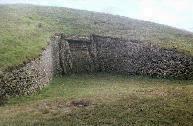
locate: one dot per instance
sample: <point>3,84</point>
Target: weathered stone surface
<point>67,55</point>
<point>30,78</point>
<point>133,57</point>
<point>107,54</point>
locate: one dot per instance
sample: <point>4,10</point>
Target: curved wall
<point>29,78</point>
<point>135,57</point>
<point>99,53</point>
<point>67,55</point>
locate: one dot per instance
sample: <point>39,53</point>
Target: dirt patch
<point>55,107</point>
<point>80,103</point>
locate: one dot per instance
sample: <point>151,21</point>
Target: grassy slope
<point>115,100</point>
<point>25,30</point>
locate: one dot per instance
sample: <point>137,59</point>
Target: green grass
<point>114,100</point>
<point>25,30</point>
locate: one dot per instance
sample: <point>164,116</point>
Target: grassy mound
<point>25,30</point>
<point>103,99</point>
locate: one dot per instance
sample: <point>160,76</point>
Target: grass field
<point>104,99</point>
<point>26,29</point>
<point>95,99</point>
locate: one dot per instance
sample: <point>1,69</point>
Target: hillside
<point>118,75</point>
<point>26,29</point>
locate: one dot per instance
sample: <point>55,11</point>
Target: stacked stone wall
<point>28,78</point>
<point>107,54</point>
<point>136,57</point>
<point>67,55</point>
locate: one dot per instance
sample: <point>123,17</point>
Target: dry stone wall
<point>107,54</point>
<point>67,55</point>
<point>28,78</point>
<point>135,57</point>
